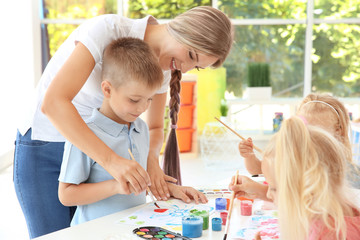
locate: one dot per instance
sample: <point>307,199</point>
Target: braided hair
<point>171,161</point>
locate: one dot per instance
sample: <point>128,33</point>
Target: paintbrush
<point>255,147</point>
<point>147,188</point>
<point>230,208</point>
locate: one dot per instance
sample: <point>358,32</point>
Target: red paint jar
<point>223,216</point>
<point>246,207</point>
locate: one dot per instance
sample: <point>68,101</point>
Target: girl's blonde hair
<point>205,29</point>
<point>313,109</point>
<point>309,168</point>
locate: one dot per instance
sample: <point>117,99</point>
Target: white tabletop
<point>108,228</point>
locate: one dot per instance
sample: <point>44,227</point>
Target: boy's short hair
<point>128,59</point>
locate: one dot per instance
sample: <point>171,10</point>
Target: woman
<point>70,88</point>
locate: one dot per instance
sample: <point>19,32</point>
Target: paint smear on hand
<point>160,210</point>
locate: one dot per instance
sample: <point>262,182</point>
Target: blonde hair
<point>205,29</point>
<point>309,167</point>
<point>131,59</point>
<point>315,109</point>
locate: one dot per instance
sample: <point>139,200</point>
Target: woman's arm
<point>155,121</point>
<point>186,193</point>
<point>86,193</point>
<point>58,107</point>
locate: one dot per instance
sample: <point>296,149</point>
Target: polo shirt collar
<point>111,127</point>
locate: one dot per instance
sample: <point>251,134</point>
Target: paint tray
<point>152,232</point>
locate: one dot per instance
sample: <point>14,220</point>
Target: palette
<point>215,192</point>
<point>157,233</point>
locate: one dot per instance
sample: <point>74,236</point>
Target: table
<point>105,227</point>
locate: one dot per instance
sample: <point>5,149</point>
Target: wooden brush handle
<point>255,147</point>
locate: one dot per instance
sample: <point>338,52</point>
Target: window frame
<point>309,22</point>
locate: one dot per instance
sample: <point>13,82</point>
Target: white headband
<point>316,101</point>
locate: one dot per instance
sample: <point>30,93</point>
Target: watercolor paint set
<point>157,233</point>
<point>215,192</point>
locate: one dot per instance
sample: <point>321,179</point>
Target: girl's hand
<point>246,187</point>
<point>186,193</point>
<point>252,163</point>
<point>246,148</point>
<point>257,236</point>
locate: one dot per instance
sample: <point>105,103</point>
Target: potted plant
<point>258,80</point>
<point>224,108</point>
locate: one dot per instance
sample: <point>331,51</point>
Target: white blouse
<point>95,34</point>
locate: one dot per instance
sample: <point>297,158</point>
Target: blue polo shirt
<point>78,168</point>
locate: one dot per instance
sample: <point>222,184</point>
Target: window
<point>310,45</point>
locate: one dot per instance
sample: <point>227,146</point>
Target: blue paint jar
<point>220,204</point>
<point>192,226</point>
<point>216,224</point>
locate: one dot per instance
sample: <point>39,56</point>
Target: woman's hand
<point>246,187</point>
<point>155,121</point>
<point>186,193</point>
<point>159,186</point>
<point>131,177</point>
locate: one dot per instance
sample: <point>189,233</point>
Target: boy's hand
<point>246,148</point>
<point>118,189</point>
<point>186,193</point>
<point>246,187</point>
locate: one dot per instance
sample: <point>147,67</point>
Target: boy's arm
<point>86,193</point>
<point>186,193</point>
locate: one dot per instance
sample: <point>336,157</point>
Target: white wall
<point>20,65</point>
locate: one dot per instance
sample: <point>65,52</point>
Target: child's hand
<point>246,187</point>
<point>246,148</point>
<point>257,236</point>
<point>186,193</point>
<point>118,189</point>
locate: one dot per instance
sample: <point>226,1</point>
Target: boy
<point>130,77</point>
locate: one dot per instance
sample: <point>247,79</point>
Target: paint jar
<point>277,121</point>
<point>246,207</point>
<point>220,204</point>
<point>227,204</point>
<point>223,216</point>
<point>204,214</point>
<point>192,226</point>
<point>216,224</point>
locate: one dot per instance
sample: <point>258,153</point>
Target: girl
<point>70,88</point>
<point>305,168</point>
<point>321,110</point>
